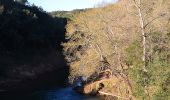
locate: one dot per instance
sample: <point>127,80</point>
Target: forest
<point>30,51</point>
<point>130,37</point>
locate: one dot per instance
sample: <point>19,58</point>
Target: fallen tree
<point>108,83</point>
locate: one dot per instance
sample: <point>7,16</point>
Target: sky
<point>66,5</point>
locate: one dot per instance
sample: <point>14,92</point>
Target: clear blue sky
<point>53,5</point>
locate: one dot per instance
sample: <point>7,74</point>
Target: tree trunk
<point>141,21</point>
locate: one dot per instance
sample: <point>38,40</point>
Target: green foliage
<point>134,52</point>
<point>66,14</point>
<point>158,75</point>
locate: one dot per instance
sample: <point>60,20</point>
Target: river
<point>54,94</point>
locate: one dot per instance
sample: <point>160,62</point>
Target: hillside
<point>30,51</point>
<point>131,37</point>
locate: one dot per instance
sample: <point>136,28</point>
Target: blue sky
<point>53,5</point>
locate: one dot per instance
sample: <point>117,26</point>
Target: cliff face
<point>30,52</point>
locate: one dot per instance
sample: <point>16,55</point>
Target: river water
<point>55,94</point>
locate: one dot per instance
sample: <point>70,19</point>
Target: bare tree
<point>145,20</point>
<point>141,21</point>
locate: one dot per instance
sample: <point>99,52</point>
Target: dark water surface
<point>55,94</point>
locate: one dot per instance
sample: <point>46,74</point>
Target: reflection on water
<point>56,94</point>
<point>66,94</point>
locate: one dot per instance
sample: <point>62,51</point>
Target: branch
<point>138,5</point>
<point>153,20</point>
<point>110,94</point>
<point>100,50</point>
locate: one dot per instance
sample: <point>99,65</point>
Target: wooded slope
<point>113,36</point>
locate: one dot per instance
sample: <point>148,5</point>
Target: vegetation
<point>30,46</point>
<point>131,36</point>
<point>66,14</point>
<point>21,1</point>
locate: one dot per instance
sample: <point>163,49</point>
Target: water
<point>56,94</point>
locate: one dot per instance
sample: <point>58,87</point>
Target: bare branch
<point>110,94</point>
<point>153,20</point>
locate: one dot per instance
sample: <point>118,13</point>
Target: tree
<point>22,1</point>
<point>144,11</point>
<point>153,19</point>
<point>121,34</point>
<point>98,35</point>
